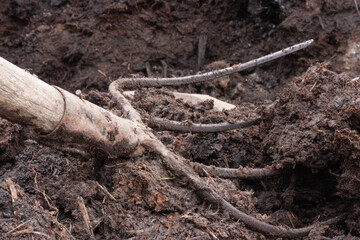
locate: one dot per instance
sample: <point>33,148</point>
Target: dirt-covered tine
<point>261,226</point>
<point>123,83</point>
<point>164,124</point>
<point>131,83</point>
<point>176,165</point>
<point>239,173</point>
<point>123,103</point>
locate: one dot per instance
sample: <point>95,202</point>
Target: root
<point>163,124</point>
<point>239,173</point>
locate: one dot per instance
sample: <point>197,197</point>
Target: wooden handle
<point>27,100</point>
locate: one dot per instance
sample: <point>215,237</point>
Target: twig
<point>47,199</point>
<point>85,214</point>
<point>123,83</point>
<point>50,203</point>
<point>148,69</point>
<point>357,7</point>
<point>106,191</point>
<point>201,51</point>
<point>12,189</point>
<point>207,174</point>
<point>211,234</point>
<point>35,179</point>
<point>196,127</point>
<point>29,230</point>
<point>67,230</point>
<point>7,219</point>
<point>17,227</point>
<point>240,173</point>
<point>71,150</point>
<point>165,67</point>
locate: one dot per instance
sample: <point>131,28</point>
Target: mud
<point>308,104</point>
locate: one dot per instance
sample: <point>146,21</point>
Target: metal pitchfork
<point>66,119</point>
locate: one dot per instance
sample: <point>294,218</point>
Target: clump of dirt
<point>20,216</point>
<point>10,141</point>
<point>206,148</point>
<point>314,126</point>
<point>314,122</point>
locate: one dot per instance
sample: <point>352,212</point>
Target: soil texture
<point>308,102</point>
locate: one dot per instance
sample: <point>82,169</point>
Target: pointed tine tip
<point>308,42</point>
<point>302,45</point>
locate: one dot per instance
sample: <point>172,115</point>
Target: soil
<point>310,110</point>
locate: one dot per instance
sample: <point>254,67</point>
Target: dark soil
<point>312,123</point>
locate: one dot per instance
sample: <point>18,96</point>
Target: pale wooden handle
<point>27,100</point>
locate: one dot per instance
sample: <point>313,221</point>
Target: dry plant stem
<point>86,219</point>
<point>12,189</point>
<point>106,191</point>
<point>201,51</point>
<point>29,230</point>
<point>203,128</point>
<point>123,83</point>
<point>17,227</point>
<point>239,173</point>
